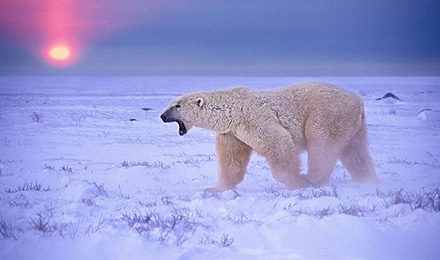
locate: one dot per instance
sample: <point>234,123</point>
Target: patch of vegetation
<point>176,227</point>
<point>7,231</point>
<point>156,164</point>
<point>32,186</point>
<point>427,198</point>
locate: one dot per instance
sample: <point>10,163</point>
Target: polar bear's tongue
<point>182,128</point>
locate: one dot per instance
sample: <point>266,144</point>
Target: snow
<point>86,173</point>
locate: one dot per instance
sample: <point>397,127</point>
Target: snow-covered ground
<point>89,171</point>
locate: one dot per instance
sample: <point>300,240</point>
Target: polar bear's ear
<point>200,101</point>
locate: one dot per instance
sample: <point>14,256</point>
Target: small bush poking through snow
<point>64,168</point>
<point>157,164</point>
<point>224,241</point>
<point>7,231</point>
<point>317,193</point>
<point>354,209</point>
<point>426,199</point>
<point>100,189</point>
<point>36,186</point>
<point>42,223</point>
<point>177,226</point>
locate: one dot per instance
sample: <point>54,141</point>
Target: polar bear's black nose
<point>166,118</point>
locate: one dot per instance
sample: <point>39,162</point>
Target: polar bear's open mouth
<point>168,119</point>
<point>182,128</point>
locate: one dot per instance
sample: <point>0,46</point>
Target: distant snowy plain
<point>89,171</point>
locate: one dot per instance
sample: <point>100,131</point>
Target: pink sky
<point>39,26</point>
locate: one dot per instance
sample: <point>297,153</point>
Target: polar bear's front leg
<point>233,157</point>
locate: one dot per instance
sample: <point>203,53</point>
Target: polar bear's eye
<point>177,106</point>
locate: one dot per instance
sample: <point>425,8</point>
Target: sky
<point>220,37</point>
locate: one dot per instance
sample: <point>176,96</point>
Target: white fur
<point>326,121</point>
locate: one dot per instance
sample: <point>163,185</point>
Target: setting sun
<point>59,53</point>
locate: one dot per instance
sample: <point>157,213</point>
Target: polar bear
<point>325,120</point>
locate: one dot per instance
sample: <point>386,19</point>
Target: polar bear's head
<point>187,111</point>
<point>211,110</point>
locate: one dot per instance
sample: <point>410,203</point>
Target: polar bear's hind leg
<point>356,158</point>
<point>321,159</point>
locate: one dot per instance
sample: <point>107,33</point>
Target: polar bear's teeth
<point>182,128</point>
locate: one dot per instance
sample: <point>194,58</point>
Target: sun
<point>59,53</point>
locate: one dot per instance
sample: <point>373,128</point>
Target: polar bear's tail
<point>356,157</point>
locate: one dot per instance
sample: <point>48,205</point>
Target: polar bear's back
<point>311,97</point>
<point>317,107</point>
